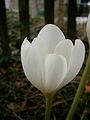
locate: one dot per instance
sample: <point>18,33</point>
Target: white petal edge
<point>55,71</point>
<point>76,61</point>
<point>31,64</point>
<point>88,28</point>
<point>64,48</point>
<point>51,36</point>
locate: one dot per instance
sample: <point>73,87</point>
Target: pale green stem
<point>79,90</point>
<point>49,99</point>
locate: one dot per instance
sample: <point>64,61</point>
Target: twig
<point>83,114</point>
<point>16,116</point>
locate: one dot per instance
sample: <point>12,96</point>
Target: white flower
<point>51,61</point>
<point>88,28</point>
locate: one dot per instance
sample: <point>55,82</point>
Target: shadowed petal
<point>76,61</point>
<point>31,64</point>
<point>64,48</point>
<point>55,71</point>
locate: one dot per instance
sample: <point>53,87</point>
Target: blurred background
<point>19,100</point>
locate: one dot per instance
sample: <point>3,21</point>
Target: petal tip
<point>80,43</point>
<point>25,43</point>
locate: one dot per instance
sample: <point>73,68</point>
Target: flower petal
<point>64,48</point>
<point>55,71</point>
<point>40,46</point>
<point>51,35</point>
<point>76,61</point>
<point>88,29</point>
<point>31,64</point>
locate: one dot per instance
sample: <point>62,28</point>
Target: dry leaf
<point>20,84</point>
<point>87,89</point>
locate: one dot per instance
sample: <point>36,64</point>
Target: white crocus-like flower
<point>88,28</point>
<point>51,61</point>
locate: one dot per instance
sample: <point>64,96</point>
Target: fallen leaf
<point>20,84</point>
<point>87,89</point>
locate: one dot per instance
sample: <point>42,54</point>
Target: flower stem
<point>79,90</point>
<point>49,99</point>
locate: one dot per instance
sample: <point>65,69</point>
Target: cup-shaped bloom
<point>88,28</point>
<point>51,61</point>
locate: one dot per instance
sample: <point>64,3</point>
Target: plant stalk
<point>79,90</point>
<point>49,99</point>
